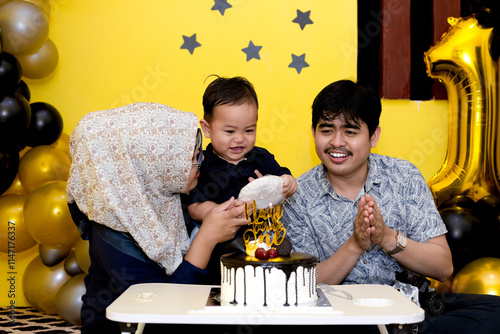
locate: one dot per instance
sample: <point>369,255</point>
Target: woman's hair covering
<point>129,166</point>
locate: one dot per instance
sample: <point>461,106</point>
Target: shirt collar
<point>372,179</point>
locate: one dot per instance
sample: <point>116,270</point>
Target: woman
<point>129,167</point>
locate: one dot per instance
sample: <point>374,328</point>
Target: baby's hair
<point>222,90</point>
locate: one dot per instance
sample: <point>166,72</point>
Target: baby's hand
<point>289,185</point>
<point>250,179</point>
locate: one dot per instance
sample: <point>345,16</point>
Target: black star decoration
<point>252,51</point>
<point>298,62</point>
<point>190,43</point>
<point>303,19</point>
<point>221,6</point>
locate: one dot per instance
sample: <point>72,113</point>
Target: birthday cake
<point>265,273</point>
<point>282,281</point>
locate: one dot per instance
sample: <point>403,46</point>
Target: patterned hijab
<point>129,166</point>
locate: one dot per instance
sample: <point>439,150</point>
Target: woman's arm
<point>199,210</point>
<point>220,224</point>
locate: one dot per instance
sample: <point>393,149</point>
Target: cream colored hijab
<point>129,166</point>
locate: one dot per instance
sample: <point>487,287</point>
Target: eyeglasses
<point>199,147</point>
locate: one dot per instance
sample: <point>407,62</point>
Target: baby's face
<point>233,130</point>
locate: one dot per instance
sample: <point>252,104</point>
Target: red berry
<point>273,253</point>
<point>258,251</point>
<point>261,253</point>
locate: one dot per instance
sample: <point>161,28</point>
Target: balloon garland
<point>467,187</point>
<point>34,166</point>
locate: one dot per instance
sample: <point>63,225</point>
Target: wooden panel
<point>395,49</point>
<point>441,11</point>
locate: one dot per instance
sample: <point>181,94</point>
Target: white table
<point>187,304</point>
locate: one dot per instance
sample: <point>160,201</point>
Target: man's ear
<point>313,130</point>
<point>375,137</point>
<point>205,127</point>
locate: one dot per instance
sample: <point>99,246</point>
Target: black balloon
<point>462,201</point>
<point>487,11</point>
<point>464,231</point>
<point>488,211</point>
<point>10,73</point>
<point>23,89</point>
<point>46,125</point>
<point>15,114</point>
<point>9,163</point>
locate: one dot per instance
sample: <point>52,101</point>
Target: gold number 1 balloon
<point>461,60</point>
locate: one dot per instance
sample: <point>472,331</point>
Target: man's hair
<point>237,90</point>
<point>357,102</point>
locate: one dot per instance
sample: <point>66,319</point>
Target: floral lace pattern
<point>129,166</point>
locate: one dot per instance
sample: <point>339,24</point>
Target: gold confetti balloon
<point>462,61</point>
<point>481,276</point>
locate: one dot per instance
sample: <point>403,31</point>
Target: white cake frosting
<point>281,282</point>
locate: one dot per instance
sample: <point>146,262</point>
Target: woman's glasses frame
<point>199,147</point>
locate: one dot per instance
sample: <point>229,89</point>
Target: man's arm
<point>336,268</point>
<point>431,258</point>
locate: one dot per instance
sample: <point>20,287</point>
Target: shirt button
<point>365,262</point>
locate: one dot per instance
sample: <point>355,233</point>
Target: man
<point>367,216</point>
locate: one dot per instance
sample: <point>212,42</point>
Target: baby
<point>231,160</point>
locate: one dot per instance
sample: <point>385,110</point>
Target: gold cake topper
<point>266,229</point>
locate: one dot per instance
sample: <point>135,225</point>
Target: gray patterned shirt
<point>318,221</point>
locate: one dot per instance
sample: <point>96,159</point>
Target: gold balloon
<point>25,27</point>
<point>82,254</point>
<point>41,283</point>
<point>41,63</point>
<point>51,255</point>
<point>41,164</point>
<point>47,216</point>
<point>43,5</point>
<point>71,266</point>
<point>13,232</point>
<point>462,62</point>
<point>481,276</point>
<point>16,187</point>
<point>69,299</point>
<point>441,287</point>
<point>63,144</point>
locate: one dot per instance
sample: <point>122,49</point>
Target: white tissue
<point>264,191</point>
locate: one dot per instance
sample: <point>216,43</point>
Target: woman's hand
<point>220,224</point>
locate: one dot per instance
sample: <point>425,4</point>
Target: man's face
<point>344,147</point>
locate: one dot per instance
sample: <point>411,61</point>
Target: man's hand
<point>362,229</point>
<point>380,233</point>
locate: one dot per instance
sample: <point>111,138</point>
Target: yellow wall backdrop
<point>115,52</point>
